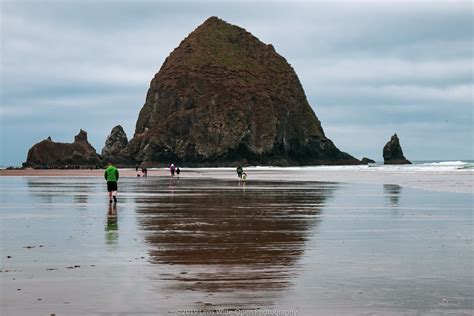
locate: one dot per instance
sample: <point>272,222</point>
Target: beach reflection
<point>392,194</point>
<point>226,238</point>
<point>58,190</point>
<point>111,227</point>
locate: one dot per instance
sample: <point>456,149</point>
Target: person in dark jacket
<point>240,171</point>
<point>111,175</point>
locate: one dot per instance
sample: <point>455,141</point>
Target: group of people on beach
<point>174,169</point>
<point>111,175</point>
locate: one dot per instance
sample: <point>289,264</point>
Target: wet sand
<point>431,179</point>
<point>201,244</point>
<point>77,173</point>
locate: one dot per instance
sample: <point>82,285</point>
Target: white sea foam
<point>445,163</point>
<point>379,167</point>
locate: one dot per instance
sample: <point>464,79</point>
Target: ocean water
<point>201,244</point>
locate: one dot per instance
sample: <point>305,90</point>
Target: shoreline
<point>459,181</point>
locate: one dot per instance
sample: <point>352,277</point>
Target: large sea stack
<point>393,154</point>
<point>224,97</point>
<point>50,154</point>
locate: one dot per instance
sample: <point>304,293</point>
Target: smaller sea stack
<point>50,154</point>
<point>393,154</point>
<point>114,145</point>
<point>366,161</point>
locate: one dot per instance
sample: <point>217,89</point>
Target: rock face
<point>366,161</point>
<point>393,154</point>
<point>50,154</point>
<point>224,97</point>
<point>114,145</point>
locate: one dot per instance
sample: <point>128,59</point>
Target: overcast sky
<point>369,69</point>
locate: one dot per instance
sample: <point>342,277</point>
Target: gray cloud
<point>369,69</point>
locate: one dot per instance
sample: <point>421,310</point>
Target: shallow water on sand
<point>171,246</point>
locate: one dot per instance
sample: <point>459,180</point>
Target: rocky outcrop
<point>50,154</point>
<point>393,154</point>
<point>114,146</point>
<point>366,161</point>
<point>224,97</point>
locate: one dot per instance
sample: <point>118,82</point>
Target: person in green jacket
<point>111,176</point>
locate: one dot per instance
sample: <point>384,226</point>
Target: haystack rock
<point>114,145</point>
<point>50,154</point>
<point>222,97</point>
<point>393,154</point>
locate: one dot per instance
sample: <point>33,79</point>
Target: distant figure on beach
<point>172,169</point>
<point>240,171</point>
<point>136,168</point>
<point>177,172</point>
<point>111,175</point>
<point>144,172</point>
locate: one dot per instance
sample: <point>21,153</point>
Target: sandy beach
<point>207,243</point>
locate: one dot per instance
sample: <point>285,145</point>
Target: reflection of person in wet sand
<point>172,185</point>
<point>112,210</point>
<point>112,224</point>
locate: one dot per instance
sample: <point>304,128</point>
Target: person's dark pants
<point>112,186</point>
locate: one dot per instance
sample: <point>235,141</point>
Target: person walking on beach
<point>111,175</point>
<point>172,169</point>
<point>177,172</point>
<point>240,171</point>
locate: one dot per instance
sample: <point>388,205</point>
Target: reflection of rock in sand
<point>51,190</point>
<point>392,194</point>
<point>229,238</point>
